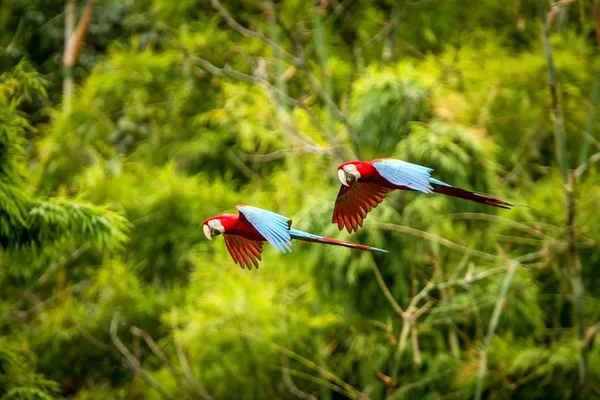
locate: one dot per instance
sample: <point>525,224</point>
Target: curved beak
<point>343,176</point>
<point>207,232</point>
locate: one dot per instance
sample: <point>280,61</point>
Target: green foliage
<point>18,380</point>
<point>101,208</point>
<point>383,106</point>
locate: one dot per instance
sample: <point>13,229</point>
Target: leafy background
<point>180,110</point>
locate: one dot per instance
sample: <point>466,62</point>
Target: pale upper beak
<point>342,175</point>
<point>346,177</point>
<point>207,232</point>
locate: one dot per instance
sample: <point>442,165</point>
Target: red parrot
<point>245,233</point>
<point>365,185</point>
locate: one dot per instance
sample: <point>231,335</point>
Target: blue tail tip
<point>381,250</point>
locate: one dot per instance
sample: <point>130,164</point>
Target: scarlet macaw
<point>365,185</point>
<point>245,233</point>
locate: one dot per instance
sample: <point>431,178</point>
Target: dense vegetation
<point>179,110</point>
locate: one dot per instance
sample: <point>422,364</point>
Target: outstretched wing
<point>244,251</point>
<point>355,202</point>
<point>275,228</point>
<point>402,173</point>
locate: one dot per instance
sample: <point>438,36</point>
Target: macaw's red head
<point>218,225</point>
<point>352,171</point>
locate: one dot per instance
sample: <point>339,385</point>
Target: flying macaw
<point>245,233</point>
<point>365,185</point>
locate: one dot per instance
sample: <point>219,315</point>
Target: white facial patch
<point>352,170</point>
<point>217,225</point>
<point>213,225</point>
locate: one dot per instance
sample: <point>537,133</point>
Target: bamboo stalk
<point>500,303</point>
<point>68,69</point>
<point>559,126</point>
<point>570,203</point>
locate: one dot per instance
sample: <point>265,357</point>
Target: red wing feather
<point>244,252</point>
<point>355,202</point>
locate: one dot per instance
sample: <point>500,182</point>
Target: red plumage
<point>369,188</point>
<point>246,233</point>
<point>243,241</point>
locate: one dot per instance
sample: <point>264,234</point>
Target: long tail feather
<point>444,188</point>
<point>309,237</point>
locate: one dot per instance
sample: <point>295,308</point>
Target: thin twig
<point>133,363</point>
<point>289,383</point>
<point>189,381</point>
<point>386,292</point>
<point>277,154</point>
<point>243,167</point>
<point>436,239</point>
<point>321,47</point>
<point>402,340</point>
<point>414,339</point>
<point>583,167</point>
<point>410,386</point>
<point>349,389</point>
<point>250,33</point>
<point>283,114</point>
<point>323,382</point>
<point>91,338</point>
<point>490,217</point>
<point>183,361</point>
<point>386,29</point>
<point>591,123</point>
<point>298,61</point>
<point>228,72</point>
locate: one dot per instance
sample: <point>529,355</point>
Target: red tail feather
<point>343,243</point>
<point>472,196</point>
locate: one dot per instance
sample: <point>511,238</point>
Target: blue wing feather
<point>438,182</point>
<point>274,227</point>
<point>403,173</point>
